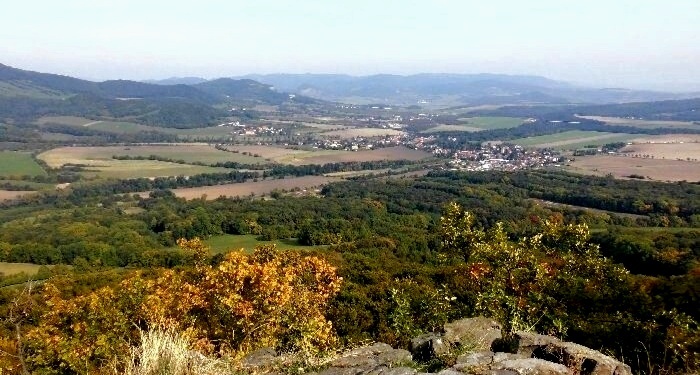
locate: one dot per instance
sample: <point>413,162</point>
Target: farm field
<point>489,123</point>
<point>476,124</point>
<point>667,138</point>
<point>644,124</point>
<point>665,150</point>
<point>318,156</point>
<point>572,139</point>
<point>622,166</point>
<point>266,152</point>
<point>224,243</point>
<point>13,194</point>
<point>361,132</point>
<point>324,156</point>
<point>14,163</point>
<point>98,161</point>
<point>15,268</point>
<point>254,187</point>
<point>190,153</point>
<point>122,127</point>
<point>452,128</point>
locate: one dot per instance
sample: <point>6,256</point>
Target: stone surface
<point>375,359</point>
<point>580,359</point>
<point>476,334</point>
<point>474,362</point>
<point>260,358</point>
<point>428,346</point>
<point>533,366</point>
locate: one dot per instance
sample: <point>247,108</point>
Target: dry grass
<point>15,268</point>
<point>266,152</point>
<point>166,352</point>
<point>666,150</point>
<point>247,188</point>
<point>9,194</point>
<point>621,166</point>
<point>667,138</point>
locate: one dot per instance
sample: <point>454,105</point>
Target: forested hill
<point>675,110</point>
<point>26,95</point>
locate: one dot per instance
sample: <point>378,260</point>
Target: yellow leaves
<point>267,298</point>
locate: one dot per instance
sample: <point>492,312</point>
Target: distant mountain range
<point>453,89</point>
<point>196,102</point>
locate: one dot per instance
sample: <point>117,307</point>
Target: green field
<point>572,140</point>
<point>477,124</point>
<point>489,123</point>
<point>99,161</point>
<point>15,268</point>
<point>13,163</point>
<point>226,242</point>
<point>27,185</point>
<point>125,127</point>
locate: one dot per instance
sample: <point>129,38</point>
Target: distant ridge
<point>26,95</point>
<point>452,89</point>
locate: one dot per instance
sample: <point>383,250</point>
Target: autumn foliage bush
<point>247,301</point>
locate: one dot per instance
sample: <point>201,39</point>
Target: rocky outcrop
<point>581,359</point>
<point>474,337</point>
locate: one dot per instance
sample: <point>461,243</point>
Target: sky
<point>651,44</point>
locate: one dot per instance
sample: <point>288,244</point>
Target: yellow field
<point>666,150</point>
<point>667,138</point>
<point>623,166</point>
<point>247,188</point>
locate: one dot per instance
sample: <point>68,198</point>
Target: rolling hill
<point>451,89</point>
<point>26,95</point>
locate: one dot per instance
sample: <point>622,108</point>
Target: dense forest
<point>412,253</point>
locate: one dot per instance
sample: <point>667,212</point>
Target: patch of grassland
<point>14,163</point>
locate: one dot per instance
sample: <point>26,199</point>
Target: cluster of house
<point>505,157</point>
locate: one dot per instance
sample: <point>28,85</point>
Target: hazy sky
<point>621,43</point>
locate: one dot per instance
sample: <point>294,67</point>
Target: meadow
<point>572,140</point>
<point>14,163</point>
<point>98,161</point>
<point>15,268</point>
<point>122,127</point>
<point>226,242</point>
